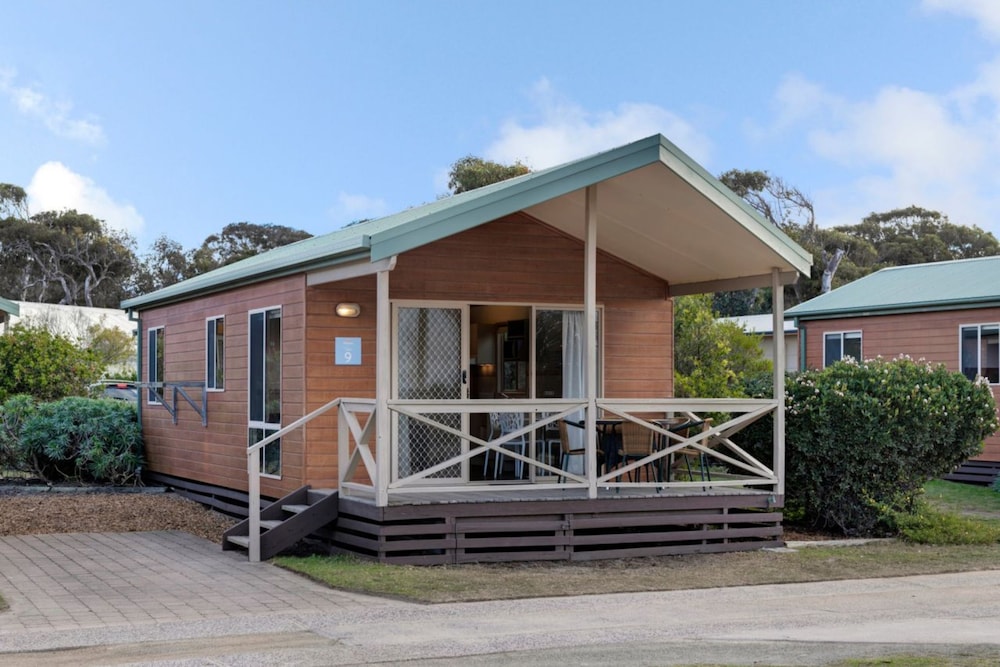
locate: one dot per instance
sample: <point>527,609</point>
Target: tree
<point>44,365</point>
<point>165,264</point>
<point>66,257</point>
<point>712,358</point>
<point>471,172</point>
<point>240,240</point>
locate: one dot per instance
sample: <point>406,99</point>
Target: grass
<point>951,531</point>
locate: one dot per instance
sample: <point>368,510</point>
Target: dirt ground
<point>39,512</point>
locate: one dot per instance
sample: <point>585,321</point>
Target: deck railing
<point>355,447</point>
<point>450,473</point>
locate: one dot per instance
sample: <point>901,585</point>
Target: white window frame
<point>843,336</point>
<point>979,348</point>
<point>155,340</point>
<point>212,382</point>
<point>266,428</point>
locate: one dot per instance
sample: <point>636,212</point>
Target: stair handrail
<point>253,469</point>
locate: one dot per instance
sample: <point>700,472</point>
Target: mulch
<point>28,510</point>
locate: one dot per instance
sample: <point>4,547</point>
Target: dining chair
<point>502,423</point>
<point>686,455</point>
<point>569,451</point>
<point>636,443</point>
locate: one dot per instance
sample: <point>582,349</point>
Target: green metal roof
<point>915,288</point>
<point>10,307</point>
<point>705,199</point>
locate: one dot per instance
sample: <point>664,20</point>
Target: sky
<point>177,118</point>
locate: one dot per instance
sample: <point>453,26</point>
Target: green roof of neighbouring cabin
<point>9,307</point>
<point>958,284</point>
<point>656,208</point>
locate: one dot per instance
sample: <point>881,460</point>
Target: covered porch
<point>419,464</point>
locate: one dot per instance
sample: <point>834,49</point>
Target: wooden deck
<point>556,525</point>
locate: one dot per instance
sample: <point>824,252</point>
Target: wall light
<point>348,310</point>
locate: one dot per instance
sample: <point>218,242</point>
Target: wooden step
<point>240,540</point>
<point>269,524</point>
<point>295,509</point>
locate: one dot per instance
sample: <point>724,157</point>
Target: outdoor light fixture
<point>348,310</point>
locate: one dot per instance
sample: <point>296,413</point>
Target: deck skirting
<point>573,530</point>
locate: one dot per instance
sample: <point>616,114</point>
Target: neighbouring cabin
<point>459,381</point>
<point>943,312</point>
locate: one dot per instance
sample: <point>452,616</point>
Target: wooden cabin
<point>944,312</point>
<point>455,382</point>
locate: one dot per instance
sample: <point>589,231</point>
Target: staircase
<point>286,521</point>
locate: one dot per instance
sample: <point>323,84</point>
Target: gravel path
<point>33,513</point>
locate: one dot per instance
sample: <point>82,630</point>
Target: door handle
<point>465,377</point>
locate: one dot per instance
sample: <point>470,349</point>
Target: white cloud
<point>55,115</point>
<point>352,207</point>
<point>902,146</point>
<point>985,12</point>
<point>564,131</point>
<point>54,187</point>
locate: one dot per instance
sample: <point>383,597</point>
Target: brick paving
<point>85,580</point>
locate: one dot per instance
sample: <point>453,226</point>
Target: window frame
<point>842,336</point>
<point>978,326</point>
<point>214,344</point>
<point>262,427</point>
<point>155,363</point>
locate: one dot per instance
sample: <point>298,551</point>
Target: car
<point>121,390</point>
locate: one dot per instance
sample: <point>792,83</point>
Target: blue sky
<point>177,118</point>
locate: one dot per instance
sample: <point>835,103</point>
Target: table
<point>609,441</point>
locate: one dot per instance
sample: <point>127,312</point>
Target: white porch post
<point>778,312</point>
<point>383,384</point>
<point>590,316</point>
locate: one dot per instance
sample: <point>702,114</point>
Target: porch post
<point>778,312</point>
<point>590,316</point>
<point>383,384</point>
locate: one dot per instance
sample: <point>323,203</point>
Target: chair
<point>502,423</point>
<point>636,443</point>
<point>569,451</point>
<point>691,453</point>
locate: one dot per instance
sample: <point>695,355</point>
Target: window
<point>215,346</point>
<point>154,394</point>
<point>841,344</point>
<point>980,351</point>
<point>265,386</point>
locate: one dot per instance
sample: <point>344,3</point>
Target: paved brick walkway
<point>84,580</point>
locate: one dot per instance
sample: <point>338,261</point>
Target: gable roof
<point>657,209</point>
<point>952,285</point>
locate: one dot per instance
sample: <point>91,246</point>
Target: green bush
<point>863,438</point>
<point>13,413</point>
<point>45,366</point>
<point>76,439</point>
<point>927,525</point>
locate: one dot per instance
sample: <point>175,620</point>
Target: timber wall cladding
<point>513,260</point>
<point>931,336</point>
<point>216,454</point>
<point>520,260</point>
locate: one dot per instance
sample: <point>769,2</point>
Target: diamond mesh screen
<point>430,368</point>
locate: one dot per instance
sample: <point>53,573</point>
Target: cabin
<point>486,377</point>
<point>8,311</point>
<point>944,312</point>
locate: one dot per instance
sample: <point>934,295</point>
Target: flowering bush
<point>863,438</point>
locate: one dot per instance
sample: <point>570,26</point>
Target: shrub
<point>13,413</point>
<point>43,365</point>
<point>930,526</point>
<point>82,440</point>
<point>863,438</point>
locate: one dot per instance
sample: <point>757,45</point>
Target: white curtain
<point>573,381</point>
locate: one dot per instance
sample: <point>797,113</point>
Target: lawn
<point>455,583</point>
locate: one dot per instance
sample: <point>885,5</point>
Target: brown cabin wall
<point>216,454</point>
<point>931,336</point>
<point>515,260</point>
